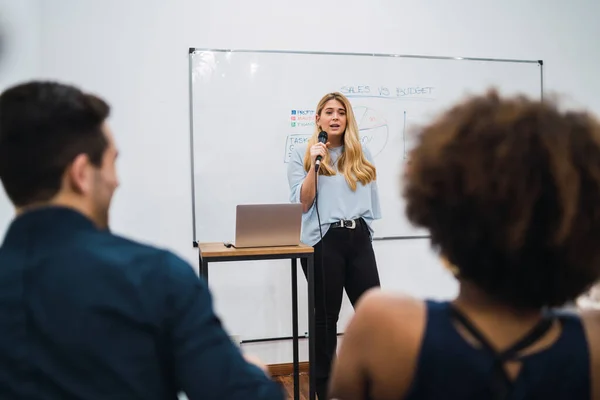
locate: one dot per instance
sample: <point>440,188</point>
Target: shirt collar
<point>50,221</point>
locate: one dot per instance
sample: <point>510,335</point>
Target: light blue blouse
<point>335,199</point>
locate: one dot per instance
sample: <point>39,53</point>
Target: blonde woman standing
<point>340,201</point>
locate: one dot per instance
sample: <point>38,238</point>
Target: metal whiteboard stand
<point>218,252</point>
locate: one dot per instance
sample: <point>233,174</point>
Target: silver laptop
<point>267,225</point>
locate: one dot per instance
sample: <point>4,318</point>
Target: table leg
<point>295,328</point>
<point>204,269</point>
<point>311,327</point>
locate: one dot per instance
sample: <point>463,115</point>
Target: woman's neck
<point>335,142</point>
<point>474,300</point>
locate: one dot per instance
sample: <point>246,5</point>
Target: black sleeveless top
<point>451,368</point>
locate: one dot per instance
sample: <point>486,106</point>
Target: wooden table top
<point>218,249</point>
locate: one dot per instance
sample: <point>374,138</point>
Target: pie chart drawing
<point>373,128</point>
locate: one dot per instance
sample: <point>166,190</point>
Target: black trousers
<point>343,259</point>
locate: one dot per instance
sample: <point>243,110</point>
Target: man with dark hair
<point>85,314</point>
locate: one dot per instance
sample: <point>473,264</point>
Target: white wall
<point>134,53</point>
<point>19,60</point>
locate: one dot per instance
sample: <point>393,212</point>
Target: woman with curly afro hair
<point>509,189</point>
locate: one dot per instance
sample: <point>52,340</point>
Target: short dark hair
<point>509,189</point>
<point>44,126</point>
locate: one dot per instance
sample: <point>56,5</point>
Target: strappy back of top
<point>449,367</point>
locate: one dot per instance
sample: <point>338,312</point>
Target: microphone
<point>322,139</point>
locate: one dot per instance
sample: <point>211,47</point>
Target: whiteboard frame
<point>193,50</point>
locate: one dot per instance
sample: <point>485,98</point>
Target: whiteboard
<point>249,109</point>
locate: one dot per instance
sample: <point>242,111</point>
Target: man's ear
<point>78,174</point>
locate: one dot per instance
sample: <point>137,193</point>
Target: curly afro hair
<point>509,189</point>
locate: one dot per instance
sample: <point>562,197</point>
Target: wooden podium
<point>218,252</point>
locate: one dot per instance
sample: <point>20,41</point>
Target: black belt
<point>346,223</point>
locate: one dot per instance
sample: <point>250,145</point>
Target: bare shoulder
<point>392,317</point>
<point>397,322</point>
<point>591,324</point>
<point>591,317</point>
<point>380,347</point>
<point>380,303</point>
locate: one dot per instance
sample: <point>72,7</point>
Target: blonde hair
<point>352,163</point>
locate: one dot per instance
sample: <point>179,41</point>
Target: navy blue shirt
<point>451,368</point>
<point>85,314</point>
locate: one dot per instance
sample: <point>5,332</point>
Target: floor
<point>288,383</point>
